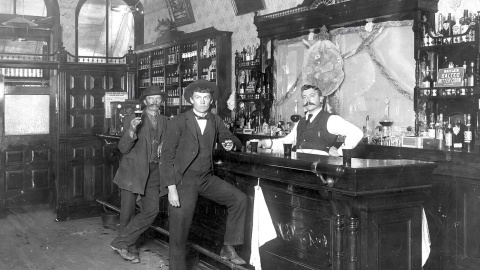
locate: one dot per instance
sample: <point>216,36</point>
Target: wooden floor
<point>32,239</point>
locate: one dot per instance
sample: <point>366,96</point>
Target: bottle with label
<point>458,136</point>
<point>464,25</point>
<point>456,30</point>
<point>439,128</point>
<point>467,133</point>
<point>426,79</point>
<point>470,75</point>
<point>448,135</point>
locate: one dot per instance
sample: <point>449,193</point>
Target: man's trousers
<point>149,210</point>
<point>180,218</point>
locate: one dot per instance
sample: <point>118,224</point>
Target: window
<point>20,23</point>
<point>102,22</point>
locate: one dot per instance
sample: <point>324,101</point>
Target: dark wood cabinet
<point>447,79</point>
<point>205,54</point>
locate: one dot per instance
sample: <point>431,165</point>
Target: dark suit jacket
<point>180,145</point>
<point>133,171</point>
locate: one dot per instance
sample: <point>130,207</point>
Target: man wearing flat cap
<point>139,172</point>
<point>187,172</point>
<point>317,132</point>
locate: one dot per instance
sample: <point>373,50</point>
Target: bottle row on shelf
<point>172,57</point>
<point>176,101</point>
<point>22,72</point>
<point>249,96</point>
<point>189,52</point>
<point>173,92</point>
<point>173,101</point>
<point>249,53</point>
<point>251,84</point>
<point>158,62</point>
<point>446,92</point>
<point>189,75</point>
<point>172,78</point>
<point>458,135</point>
<point>449,30</point>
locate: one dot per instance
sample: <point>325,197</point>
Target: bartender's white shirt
<point>335,125</point>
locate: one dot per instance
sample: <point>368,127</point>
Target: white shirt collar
<point>198,113</point>
<point>314,113</point>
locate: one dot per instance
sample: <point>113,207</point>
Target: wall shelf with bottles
<point>447,92</point>
<point>193,56</point>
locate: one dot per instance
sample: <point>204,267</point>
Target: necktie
<point>202,117</point>
<point>309,117</point>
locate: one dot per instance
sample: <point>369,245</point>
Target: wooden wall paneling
<point>467,224</point>
<point>28,177</point>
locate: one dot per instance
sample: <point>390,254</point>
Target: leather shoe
<point>228,253</point>
<point>124,253</point>
<point>136,258</point>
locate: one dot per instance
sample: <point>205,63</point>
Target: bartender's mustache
<point>308,103</point>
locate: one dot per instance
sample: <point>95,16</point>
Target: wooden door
<point>26,114</point>
<point>86,166</point>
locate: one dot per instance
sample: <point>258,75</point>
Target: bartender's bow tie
<point>202,117</point>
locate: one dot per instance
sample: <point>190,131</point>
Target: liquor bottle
<point>448,135</point>
<point>439,28</point>
<point>465,22</point>
<point>439,128</point>
<point>426,79</point>
<point>458,136</point>
<point>447,30</point>
<point>470,76</point>
<point>431,130</point>
<point>467,133</point>
<point>456,31</point>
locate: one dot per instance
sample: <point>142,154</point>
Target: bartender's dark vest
<point>202,162</point>
<point>315,134</point>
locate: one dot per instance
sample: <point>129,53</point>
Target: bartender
<point>317,132</point>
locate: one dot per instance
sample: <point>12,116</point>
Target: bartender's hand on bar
<point>173,198</point>
<point>265,143</point>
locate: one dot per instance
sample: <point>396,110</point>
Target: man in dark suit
<point>139,174</point>
<point>187,171</point>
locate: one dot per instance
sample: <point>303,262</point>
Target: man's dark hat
<point>203,84</point>
<point>151,91</point>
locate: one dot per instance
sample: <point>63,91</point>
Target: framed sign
<point>246,6</point>
<point>180,12</point>
<point>450,76</point>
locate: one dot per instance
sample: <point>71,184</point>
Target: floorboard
<point>31,239</point>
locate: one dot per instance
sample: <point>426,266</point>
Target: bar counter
<point>367,216</point>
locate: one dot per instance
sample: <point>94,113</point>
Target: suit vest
<point>202,162</point>
<point>315,135</point>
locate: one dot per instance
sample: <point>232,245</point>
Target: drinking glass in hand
<point>347,157</point>
<point>228,145</point>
